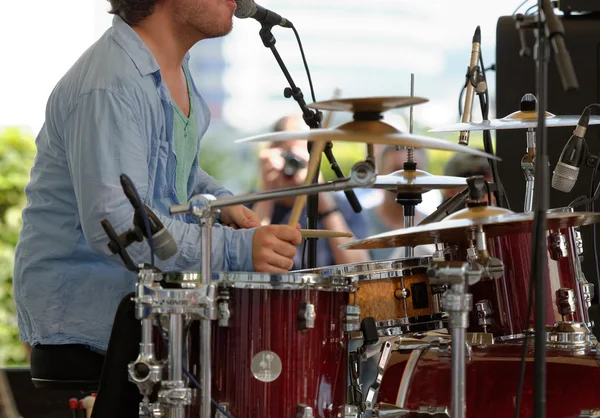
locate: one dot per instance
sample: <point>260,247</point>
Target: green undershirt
<point>185,134</point>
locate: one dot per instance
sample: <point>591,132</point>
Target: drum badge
<point>266,366</point>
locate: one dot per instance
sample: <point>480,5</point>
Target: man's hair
<point>133,11</point>
<point>467,165</point>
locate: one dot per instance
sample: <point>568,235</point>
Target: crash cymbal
<point>516,120</point>
<point>417,181</point>
<point>368,132</point>
<point>457,230</point>
<point>368,104</point>
<point>478,212</point>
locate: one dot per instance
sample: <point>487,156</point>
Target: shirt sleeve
<point>103,139</point>
<point>206,184</point>
<point>357,222</point>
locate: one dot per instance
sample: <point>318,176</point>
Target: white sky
<point>40,40</point>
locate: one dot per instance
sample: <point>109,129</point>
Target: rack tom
<point>396,293</point>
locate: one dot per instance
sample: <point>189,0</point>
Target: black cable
<point>519,6</point>
<point>312,91</point>
<point>303,261</point>
<point>489,192</point>
<point>464,87</point>
<point>527,12</point>
<point>524,349</point>
<point>212,401</point>
<point>592,206</point>
<point>484,101</point>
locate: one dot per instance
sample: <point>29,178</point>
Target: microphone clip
<point>117,244</point>
<point>477,79</point>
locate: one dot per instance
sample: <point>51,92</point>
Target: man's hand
<point>239,217</point>
<point>274,247</point>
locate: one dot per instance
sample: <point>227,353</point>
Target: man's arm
<point>103,139</point>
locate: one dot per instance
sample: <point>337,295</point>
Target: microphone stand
<point>548,30</point>
<point>313,119</point>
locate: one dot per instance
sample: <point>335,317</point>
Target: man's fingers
<point>285,249</point>
<point>287,233</point>
<point>278,261</point>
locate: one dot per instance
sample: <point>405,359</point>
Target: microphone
<point>164,244</point>
<point>572,156</point>
<point>463,137</point>
<point>448,207</point>
<point>248,8</point>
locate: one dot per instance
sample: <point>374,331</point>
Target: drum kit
<point>439,336</point>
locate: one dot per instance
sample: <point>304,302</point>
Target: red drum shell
<point>492,377</point>
<point>509,294</point>
<point>314,361</point>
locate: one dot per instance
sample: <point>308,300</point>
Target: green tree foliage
<point>17,151</point>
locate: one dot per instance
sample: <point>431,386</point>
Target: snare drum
<point>279,347</point>
<point>396,293</point>
<point>422,377</point>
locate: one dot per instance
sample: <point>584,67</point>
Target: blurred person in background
<point>283,165</point>
<point>389,215</point>
<point>466,165</point>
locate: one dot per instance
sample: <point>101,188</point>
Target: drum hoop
<point>256,280</point>
<point>374,270</point>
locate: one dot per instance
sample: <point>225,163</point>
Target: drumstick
<point>314,159</point>
<point>320,233</point>
<point>313,164</point>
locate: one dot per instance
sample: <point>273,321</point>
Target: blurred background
<point>362,48</point>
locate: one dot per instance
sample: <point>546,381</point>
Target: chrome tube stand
<point>363,174</point>
<point>146,370</point>
<point>528,166</point>
<point>457,303</point>
<point>206,224</point>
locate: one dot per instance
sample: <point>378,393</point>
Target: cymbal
<point>457,230</point>
<point>516,120</point>
<point>368,132</point>
<point>368,104</point>
<point>417,181</point>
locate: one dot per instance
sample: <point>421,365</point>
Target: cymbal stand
<point>457,303</point>
<point>410,200</point>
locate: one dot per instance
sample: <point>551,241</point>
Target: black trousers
<point>117,397</point>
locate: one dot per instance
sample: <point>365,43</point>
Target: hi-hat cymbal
<point>368,104</point>
<point>457,230</point>
<point>417,181</point>
<point>368,132</point>
<point>516,120</point>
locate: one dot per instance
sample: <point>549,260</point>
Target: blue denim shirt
<point>110,114</point>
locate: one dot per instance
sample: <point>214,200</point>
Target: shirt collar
<point>135,48</point>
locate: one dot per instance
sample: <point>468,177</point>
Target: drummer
<point>283,165</point>
<point>128,105</point>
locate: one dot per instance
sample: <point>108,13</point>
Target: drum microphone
<point>463,137</point>
<point>248,8</point>
<point>164,244</point>
<point>448,207</point>
<point>572,156</point>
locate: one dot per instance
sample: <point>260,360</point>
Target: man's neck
<point>165,40</point>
